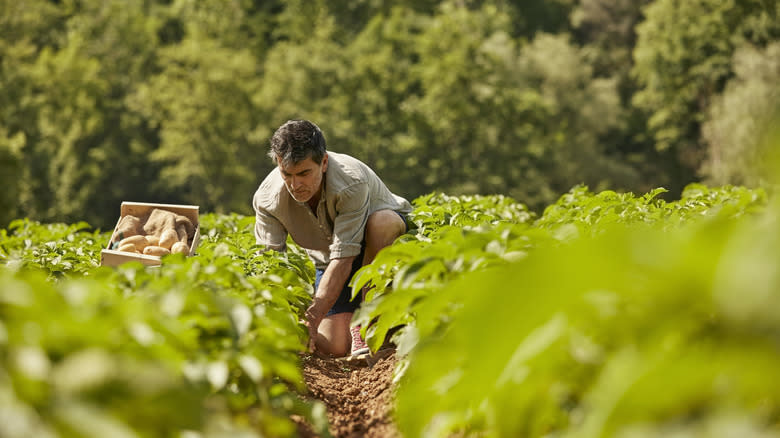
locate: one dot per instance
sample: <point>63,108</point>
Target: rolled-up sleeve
<point>352,208</point>
<point>269,231</point>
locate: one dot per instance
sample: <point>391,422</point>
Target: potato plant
<point>610,314</point>
<point>206,344</point>
<point>458,235</point>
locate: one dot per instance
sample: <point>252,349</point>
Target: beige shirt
<point>351,191</point>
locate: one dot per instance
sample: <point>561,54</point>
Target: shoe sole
<point>366,359</point>
<point>360,351</point>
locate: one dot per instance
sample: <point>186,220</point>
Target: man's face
<point>304,179</point>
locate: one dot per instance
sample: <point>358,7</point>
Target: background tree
<point>175,100</point>
<point>529,17</point>
<point>377,125</point>
<point>741,117</point>
<point>201,105</point>
<point>69,110</point>
<point>606,31</point>
<point>24,29</point>
<point>608,27</point>
<point>683,60</point>
<point>10,169</point>
<point>495,117</point>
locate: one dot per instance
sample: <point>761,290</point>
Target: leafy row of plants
<point>510,324</point>
<point>202,346</point>
<point>456,235</point>
<point>609,315</point>
<point>631,333</point>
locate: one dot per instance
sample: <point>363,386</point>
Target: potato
<point>153,240</point>
<point>127,247</point>
<point>168,238</point>
<point>139,242</point>
<point>156,251</point>
<point>180,248</point>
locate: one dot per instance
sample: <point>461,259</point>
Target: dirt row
<point>358,395</point>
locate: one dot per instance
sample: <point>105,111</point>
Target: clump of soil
<point>358,397</point>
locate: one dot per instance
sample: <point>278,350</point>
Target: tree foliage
<point>738,143</point>
<point>201,107</point>
<point>684,58</point>
<point>175,100</point>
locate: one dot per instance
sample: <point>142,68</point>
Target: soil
<point>357,393</point>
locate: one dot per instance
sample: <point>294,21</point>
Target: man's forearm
<point>333,280</point>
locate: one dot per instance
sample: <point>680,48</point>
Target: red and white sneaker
<point>358,344</point>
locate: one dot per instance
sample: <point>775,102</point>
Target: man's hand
<point>312,322</point>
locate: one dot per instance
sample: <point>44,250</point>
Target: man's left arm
<point>348,229</point>
<point>333,280</point>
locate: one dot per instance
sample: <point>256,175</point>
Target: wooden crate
<point>110,257</point>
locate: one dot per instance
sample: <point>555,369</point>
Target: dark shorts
<point>345,303</point>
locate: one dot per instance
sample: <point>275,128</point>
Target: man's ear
<point>325,162</point>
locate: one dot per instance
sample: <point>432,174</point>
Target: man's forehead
<point>299,166</point>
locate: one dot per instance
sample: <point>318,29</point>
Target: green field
<point>607,315</point>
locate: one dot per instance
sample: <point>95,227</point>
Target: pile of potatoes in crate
<point>158,233</point>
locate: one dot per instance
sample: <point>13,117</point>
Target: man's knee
<point>384,226</point>
<point>333,338</point>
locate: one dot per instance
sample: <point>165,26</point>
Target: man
<point>340,212</point>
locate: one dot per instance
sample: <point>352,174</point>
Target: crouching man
<point>340,212</point>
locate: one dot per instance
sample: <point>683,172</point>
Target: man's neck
<point>315,200</point>
<point>313,203</point>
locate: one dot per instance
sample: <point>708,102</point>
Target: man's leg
<point>382,228</point>
<point>333,337</point>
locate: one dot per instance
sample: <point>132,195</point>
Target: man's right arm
<point>269,231</point>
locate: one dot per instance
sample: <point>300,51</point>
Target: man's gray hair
<point>297,140</point>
